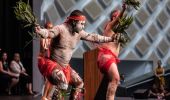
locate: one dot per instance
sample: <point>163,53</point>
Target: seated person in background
<point>5,74</point>
<point>167,95</point>
<point>159,76</point>
<point>156,92</point>
<point>17,67</point>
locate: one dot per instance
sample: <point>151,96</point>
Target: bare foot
<point>44,98</point>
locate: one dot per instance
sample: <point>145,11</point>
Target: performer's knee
<point>80,84</point>
<point>115,80</point>
<point>77,81</point>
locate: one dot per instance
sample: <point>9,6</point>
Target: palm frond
<point>124,39</point>
<point>123,24</point>
<point>25,16</point>
<point>133,3</point>
<point>23,13</point>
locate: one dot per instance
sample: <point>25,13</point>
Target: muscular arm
<point>123,10</point>
<point>95,37</point>
<point>48,33</point>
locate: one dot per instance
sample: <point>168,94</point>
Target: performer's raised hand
<point>37,29</point>
<point>124,6</point>
<point>40,31</point>
<point>116,37</point>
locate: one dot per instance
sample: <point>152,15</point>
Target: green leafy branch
<point>24,14</point>
<point>133,3</point>
<point>61,94</point>
<point>123,24</point>
<point>124,39</point>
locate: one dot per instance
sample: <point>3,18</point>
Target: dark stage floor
<point>38,98</point>
<point>25,97</point>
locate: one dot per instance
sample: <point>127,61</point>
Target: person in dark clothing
<point>5,74</point>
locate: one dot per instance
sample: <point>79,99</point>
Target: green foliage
<point>133,3</point>
<point>62,94</point>
<point>23,13</point>
<point>123,24</point>
<point>124,39</point>
<point>25,16</point>
<point>120,28</point>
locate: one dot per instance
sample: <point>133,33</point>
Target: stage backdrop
<point>150,31</point>
<point>132,69</point>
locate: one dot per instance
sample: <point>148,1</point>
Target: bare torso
<point>62,45</point>
<point>114,47</point>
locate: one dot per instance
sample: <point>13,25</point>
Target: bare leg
<point>14,81</point>
<point>44,97</point>
<point>30,88</point>
<point>50,92</point>
<point>47,91</point>
<point>60,82</point>
<point>114,79</point>
<point>78,83</point>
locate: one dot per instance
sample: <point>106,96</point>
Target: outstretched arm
<point>123,10</point>
<point>97,38</point>
<point>47,33</point>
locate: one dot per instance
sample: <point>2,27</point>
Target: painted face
<point>115,14</point>
<point>79,26</point>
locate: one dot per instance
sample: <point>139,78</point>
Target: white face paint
<point>80,26</point>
